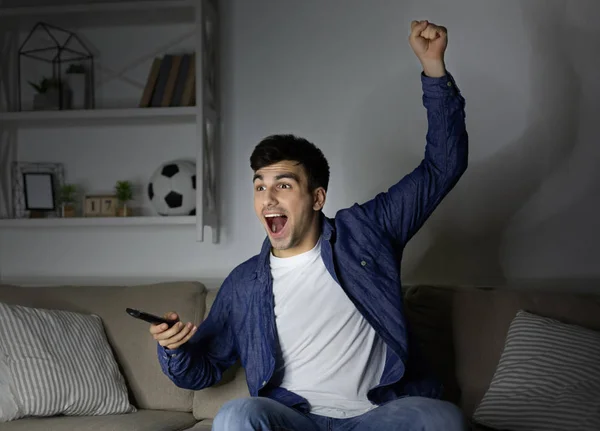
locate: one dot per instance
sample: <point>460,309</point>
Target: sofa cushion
<point>205,425</point>
<point>59,362</point>
<point>429,313</point>
<point>134,348</point>
<point>481,318</point>
<point>142,420</point>
<point>207,402</point>
<point>548,378</point>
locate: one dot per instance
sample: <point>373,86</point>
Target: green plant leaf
<point>67,193</point>
<point>124,191</point>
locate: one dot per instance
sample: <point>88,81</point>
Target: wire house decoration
<point>60,47</point>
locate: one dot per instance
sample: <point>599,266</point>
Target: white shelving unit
<point>98,12</point>
<point>20,16</point>
<point>96,116</point>
<point>99,221</point>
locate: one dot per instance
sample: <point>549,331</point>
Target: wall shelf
<point>96,222</point>
<point>97,116</point>
<point>101,13</point>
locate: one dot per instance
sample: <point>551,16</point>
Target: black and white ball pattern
<point>172,189</point>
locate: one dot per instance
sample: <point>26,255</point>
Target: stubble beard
<point>285,243</point>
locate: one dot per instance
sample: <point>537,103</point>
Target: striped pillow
<point>57,362</point>
<point>548,378</point>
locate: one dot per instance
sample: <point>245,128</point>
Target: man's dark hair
<point>277,148</point>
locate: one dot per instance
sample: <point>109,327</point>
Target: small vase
<point>50,100</point>
<point>124,211</point>
<point>68,210</point>
<point>77,83</point>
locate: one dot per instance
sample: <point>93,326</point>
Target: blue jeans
<point>404,414</point>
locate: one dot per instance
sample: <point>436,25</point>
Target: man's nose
<point>270,198</point>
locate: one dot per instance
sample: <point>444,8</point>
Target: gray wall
<point>341,73</point>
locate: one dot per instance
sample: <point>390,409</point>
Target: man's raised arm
<point>403,209</point>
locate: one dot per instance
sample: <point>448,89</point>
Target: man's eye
<point>260,188</point>
<point>285,186</point>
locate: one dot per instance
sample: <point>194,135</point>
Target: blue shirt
<point>361,248</point>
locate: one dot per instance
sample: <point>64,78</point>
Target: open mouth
<point>276,222</point>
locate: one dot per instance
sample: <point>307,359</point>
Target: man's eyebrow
<point>289,175</point>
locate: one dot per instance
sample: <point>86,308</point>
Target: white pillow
<point>8,405</point>
<point>57,362</point>
<point>548,378</point>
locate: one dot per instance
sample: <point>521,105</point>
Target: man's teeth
<point>273,225</point>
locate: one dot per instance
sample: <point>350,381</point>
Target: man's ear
<point>319,196</point>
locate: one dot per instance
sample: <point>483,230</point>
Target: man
<point>316,318</point>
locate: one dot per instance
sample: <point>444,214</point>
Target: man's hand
<point>429,42</point>
<point>176,335</point>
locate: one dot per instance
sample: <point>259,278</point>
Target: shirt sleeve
<point>406,205</point>
<point>201,361</point>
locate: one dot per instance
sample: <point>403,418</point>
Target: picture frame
<point>35,188</point>
<point>39,191</point>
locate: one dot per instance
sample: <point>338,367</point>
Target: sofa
<point>461,332</point>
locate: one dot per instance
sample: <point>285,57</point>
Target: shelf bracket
<point>208,120</point>
<point>8,101</point>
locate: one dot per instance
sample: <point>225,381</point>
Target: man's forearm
<point>434,69</point>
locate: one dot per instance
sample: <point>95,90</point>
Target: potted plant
<point>124,192</point>
<point>67,200</point>
<point>47,95</point>
<point>77,82</point>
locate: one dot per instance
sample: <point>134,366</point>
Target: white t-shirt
<point>329,353</point>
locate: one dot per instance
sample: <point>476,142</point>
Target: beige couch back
<point>481,320</point>
<point>134,348</point>
<point>462,330</point>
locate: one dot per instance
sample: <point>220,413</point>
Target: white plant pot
<point>48,101</point>
<point>77,82</point>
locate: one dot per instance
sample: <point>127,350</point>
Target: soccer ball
<point>172,189</point>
